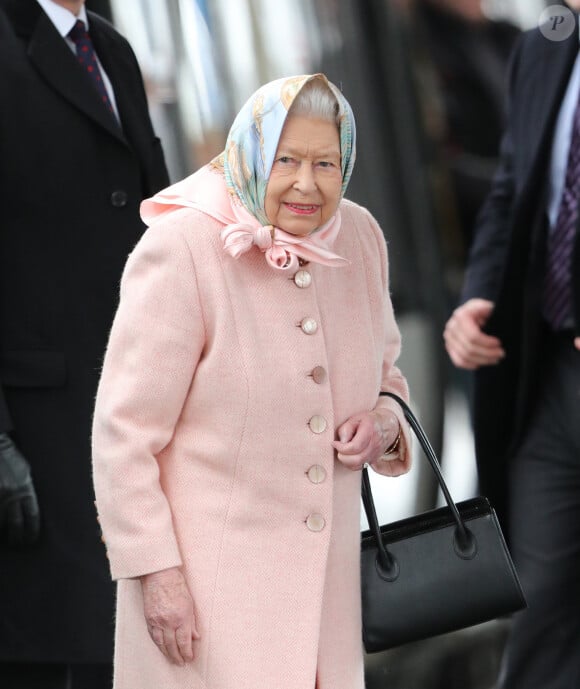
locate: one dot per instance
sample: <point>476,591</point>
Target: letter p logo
<point>557,23</point>
<point>558,19</point>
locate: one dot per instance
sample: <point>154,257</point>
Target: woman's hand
<point>466,343</point>
<point>169,613</point>
<point>364,437</point>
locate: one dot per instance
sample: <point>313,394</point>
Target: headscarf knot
<point>240,237</point>
<point>282,249</point>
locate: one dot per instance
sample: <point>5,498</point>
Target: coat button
<point>316,473</point>
<point>317,424</point>
<point>309,326</point>
<point>315,522</point>
<point>119,198</point>
<point>318,374</point>
<point>302,279</point>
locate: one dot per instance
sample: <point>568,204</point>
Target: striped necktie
<point>557,306</point>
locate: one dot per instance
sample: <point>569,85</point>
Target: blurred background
<point>426,79</point>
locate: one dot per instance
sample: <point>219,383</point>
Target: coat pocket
<point>32,369</point>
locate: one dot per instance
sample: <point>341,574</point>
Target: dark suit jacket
<point>508,255</point>
<point>70,186</point>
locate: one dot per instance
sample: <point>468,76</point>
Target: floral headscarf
<point>253,139</point>
<point>232,188</point>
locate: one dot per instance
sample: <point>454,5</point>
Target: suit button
<point>318,374</point>
<point>119,198</point>
<point>316,473</point>
<point>317,424</point>
<point>315,522</point>
<point>302,279</point>
<point>309,326</point>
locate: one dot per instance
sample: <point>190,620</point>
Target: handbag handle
<point>464,540</point>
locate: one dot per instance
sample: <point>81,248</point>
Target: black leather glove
<point>19,515</point>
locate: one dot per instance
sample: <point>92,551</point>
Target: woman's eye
<point>284,159</point>
<point>325,163</point>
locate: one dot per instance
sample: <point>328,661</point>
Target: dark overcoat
<point>508,255</point>
<point>71,181</point>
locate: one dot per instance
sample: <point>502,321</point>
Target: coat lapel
<point>548,79</point>
<point>55,61</point>
<point>122,76</point>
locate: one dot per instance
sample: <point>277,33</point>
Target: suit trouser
<point>56,676</point>
<point>543,649</point>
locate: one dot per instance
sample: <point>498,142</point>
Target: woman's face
<point>305,183</point>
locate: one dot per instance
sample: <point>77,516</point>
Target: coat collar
<point>549,72</point>
<point>53,59</point>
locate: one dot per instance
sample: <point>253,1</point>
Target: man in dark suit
<point>519,329</point>
<point>77,155</point>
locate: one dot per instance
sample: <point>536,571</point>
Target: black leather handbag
<point>436,572</point>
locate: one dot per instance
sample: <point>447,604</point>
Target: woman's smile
<point>301,208</point>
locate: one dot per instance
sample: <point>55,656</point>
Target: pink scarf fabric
<point>206,191</point>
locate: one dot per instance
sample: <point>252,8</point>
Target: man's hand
<point>19,515</point>
<point>169,613</point>
<point>466,343</point>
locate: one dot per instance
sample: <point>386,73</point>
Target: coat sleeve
<point>154,347</point>
<point>392,380</point>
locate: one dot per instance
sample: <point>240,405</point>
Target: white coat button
<point>302,279</point>
<point>317,424</point>
<point>318,374</point>
<point>316,473</point>
<point>315,522</point>
<point>309,326</point>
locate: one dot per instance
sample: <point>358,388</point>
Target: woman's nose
<point>305,181</point>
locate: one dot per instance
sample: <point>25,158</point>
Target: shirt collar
<point>63,19</point>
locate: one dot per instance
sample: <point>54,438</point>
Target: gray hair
<point>315,99</point>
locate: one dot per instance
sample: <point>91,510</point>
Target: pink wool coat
<point>223,385</point>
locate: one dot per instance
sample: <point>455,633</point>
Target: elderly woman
<point>237,405</point>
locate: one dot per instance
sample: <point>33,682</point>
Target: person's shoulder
<point>353,210</point>
<point>532,39</point>
<point>19,18</point>
<point>535,55</point>
<point>357,215</point>
<point>535,43</point>
<point>105,28</point>
<point>362,241</point>
<point>360,222</point>
<point>189,227</point>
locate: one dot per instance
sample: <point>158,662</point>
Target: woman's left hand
<point>364,437</point>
